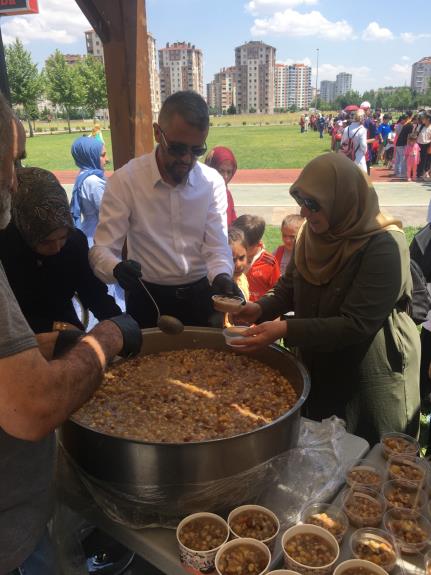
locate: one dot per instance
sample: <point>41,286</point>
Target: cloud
<point>292,23</point>
<point>405,58</point>
<point>260,6</point>
<point>409,37</point>
<point>402,70</point>
<point>306,61</point>
<point>375,32</point>
<point>58,21</point>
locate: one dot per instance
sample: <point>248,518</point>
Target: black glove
<point>66,339</point>
<point>223,284</point>
<point>131,332</point>
<point>127,274</point>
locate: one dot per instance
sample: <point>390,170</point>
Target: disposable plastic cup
<point>366,566</point>
<point>199,561</point>
<point>411,531</point>
<point>326,515</point>
<point>375,545</point>
<point>227,304</point>
<point>362,472</point>
<point>394,443</point>
<point>363,506</point>
<point>234,332</point>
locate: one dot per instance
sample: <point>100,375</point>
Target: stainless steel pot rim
<point>296,407</point>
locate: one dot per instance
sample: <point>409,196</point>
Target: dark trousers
<point>190,303</point>
<point>422,167</point>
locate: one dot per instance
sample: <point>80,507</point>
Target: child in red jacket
<point>289,228</point>
<point>264,270</point>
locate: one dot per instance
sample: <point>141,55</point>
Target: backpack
<point>347,147</point>
<point>421,297</point>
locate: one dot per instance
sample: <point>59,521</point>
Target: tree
<point>63,84</point>
<point>93,77</point>
<point>231,110</point>
<point>26,85</point>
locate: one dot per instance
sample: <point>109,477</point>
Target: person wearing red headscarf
<point>223,160</point>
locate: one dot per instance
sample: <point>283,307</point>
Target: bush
<point>38,130</point>
<point>244,123</point>
<point>228,124</point>
<point>53,129</point>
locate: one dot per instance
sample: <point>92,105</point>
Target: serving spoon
<point>166,323</point>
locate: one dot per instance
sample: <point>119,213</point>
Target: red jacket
<point>262,275</point>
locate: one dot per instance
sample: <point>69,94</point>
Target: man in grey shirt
<point>37,393</point>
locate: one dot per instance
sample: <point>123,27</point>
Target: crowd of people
<point>337,290</point>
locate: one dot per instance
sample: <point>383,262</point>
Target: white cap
<point>365,105</point>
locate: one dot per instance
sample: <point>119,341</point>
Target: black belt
<point>183,291</point>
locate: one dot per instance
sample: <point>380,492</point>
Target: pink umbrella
<point>351,108</point>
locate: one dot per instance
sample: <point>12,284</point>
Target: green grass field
<point>273,146</point>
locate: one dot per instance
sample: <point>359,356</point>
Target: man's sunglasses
<point>179,150</point>
<point>309,203</point>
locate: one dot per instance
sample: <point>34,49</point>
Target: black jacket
<point>45,286</point>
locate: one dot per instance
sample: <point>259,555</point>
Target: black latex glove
<point>66,340</point>
<point>131,332</point>
<point>127,274</point>
<point>223,284</point>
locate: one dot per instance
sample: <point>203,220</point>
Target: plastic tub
<point>394,443</point>
<point>408,469</point>
<point>363,506</point>
<point>328,516</point>
<point>404,495</point>
<point>227,304</point>
<point>362,472</point>
<point>309,531</point>
<point>233,332</point>
<point>254,531</point>
<point>410,530</point>
<point>375,545</point>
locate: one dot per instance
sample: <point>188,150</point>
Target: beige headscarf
<point>351,206</point>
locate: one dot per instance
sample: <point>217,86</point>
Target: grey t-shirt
<point>27,468</point>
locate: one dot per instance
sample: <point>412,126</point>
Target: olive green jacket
<point>356,339</point>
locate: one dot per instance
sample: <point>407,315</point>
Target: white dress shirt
<point>177,233</point>
<point>358,133</point>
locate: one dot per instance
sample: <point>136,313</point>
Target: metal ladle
<point>166,323</point>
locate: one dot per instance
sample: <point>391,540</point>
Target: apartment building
<point>327,91</point>
<point>94,45</point>
<point>299,86</point>
<point>280,86</point>
<point>222,91</point>
<point>343,84</point>
<point>180,68</point>
<point>421,75</point>
<point>255,65</point>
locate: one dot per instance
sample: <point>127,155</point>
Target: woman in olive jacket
<point>349,285</point>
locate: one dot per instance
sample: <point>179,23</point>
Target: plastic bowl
<point>199,560</point>
<point>408,469</point>
<point>230,546</point>
<point>227,304</point>
<point>362,472</point>
<point>406,526</point>
<point>309,530</point>
<point>250,510</point>
<point>369,567</point>
<point>394,443</point>
<point>328,516</point>
<point>404,494</point>
<point>363,506</point>
<point>375,545</point>
<point>233,332</point>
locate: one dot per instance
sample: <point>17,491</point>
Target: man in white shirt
<point>358,134</point>
<point>171,210</point>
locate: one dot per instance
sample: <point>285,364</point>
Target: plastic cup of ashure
<point>227,304</point>
<point>326,515</point>
<point>356,564</point>
<point>250,510</point>
<point>362,472</point>
<point>376,543</point>
<point>394,443</point>
<point>234,332</point>
<point>243,542</point>
<point>410,530</point>
<point>200,561</point>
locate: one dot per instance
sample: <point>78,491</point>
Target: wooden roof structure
<point>122,28</point>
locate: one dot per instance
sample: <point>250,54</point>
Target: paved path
<point>266,193</point>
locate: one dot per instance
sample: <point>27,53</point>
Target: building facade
<point>299,86</point>
<point>222,91</point>
<point>280,87</point>
<point>72,59</point>
<point>94,45</point>
<point>327,91</point>
<point>180,68</point>
<point>421,75</point>
<point>343,84</point>
<point>255,65</point>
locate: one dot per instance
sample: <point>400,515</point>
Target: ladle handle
<point>151,297</point>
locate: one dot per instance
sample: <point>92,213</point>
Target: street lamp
<point>317,74</point>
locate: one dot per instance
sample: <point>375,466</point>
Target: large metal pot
<point>179,472</point>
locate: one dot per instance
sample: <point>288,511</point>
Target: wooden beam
<point>127,73</point>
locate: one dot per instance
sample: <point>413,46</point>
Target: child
<point>264,270</point>
<point>289,228</point>
<point>223,160</point>
<point>389,149</point>
<point>239,255</point>
<point>412,155</point>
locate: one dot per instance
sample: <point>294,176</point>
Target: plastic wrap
<point>312,470</point>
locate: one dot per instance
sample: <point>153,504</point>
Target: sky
<point>375,41</point>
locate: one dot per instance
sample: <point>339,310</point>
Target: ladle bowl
<point>166,323</point>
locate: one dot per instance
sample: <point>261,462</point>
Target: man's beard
<point>5,205</point>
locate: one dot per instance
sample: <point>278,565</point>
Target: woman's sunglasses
<point>309,203</point>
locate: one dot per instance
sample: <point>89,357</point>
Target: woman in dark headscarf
<point>46,259</point>
<point>90,156</point>
<point>223,160</point>
<point>349,284</point>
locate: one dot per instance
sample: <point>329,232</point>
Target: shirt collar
<point>157,178</point>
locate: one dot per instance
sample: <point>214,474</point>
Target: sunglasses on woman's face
<point>308,203</point>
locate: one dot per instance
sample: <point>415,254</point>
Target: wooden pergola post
<point>122,28</point>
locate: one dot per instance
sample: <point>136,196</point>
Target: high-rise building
<point>327,91</point>
<point>255,64</point>
<point>222,91</point>
<point>421,75</point>
<point>343,84</point>
<point>95,48</point>
<point>94,45</point>
<point>180,68</point>
<point>280,87</point>
<point>299,86</point>
<point>72,59</point>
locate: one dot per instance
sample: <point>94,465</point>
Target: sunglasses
<point>179,150</point>
<point>309,203</point>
